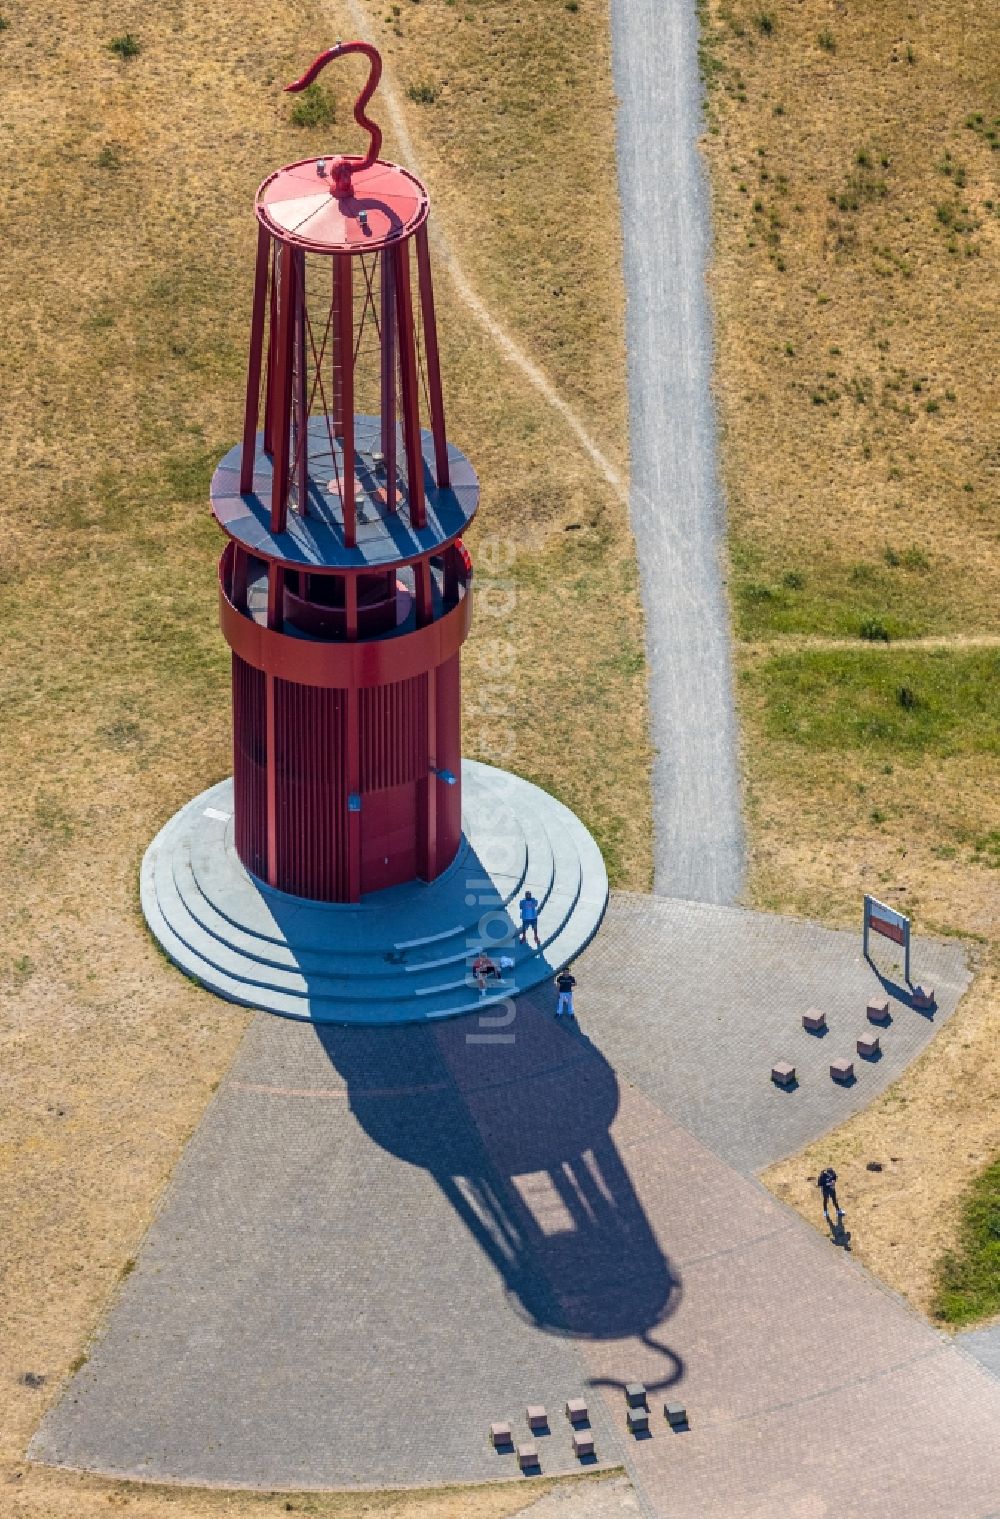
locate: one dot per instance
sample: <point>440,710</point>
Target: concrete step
<point>388,959</point>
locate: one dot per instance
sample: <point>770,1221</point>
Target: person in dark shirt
<point>565,983</point>
<point>827,1182</point>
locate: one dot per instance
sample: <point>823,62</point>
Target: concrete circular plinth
<point>401,955</point>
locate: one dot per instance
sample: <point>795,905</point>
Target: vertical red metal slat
<point>272,780</point>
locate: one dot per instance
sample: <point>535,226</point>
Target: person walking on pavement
<point>827,1181</point>
<point>529,918</point>
<point>565,983</point>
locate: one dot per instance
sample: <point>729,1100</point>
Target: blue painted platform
<point>401,955</point>
<point>315,539</point>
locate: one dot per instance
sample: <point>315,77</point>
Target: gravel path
<point>676,505</point>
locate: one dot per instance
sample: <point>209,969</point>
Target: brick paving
<point>695,1003</point>
<point>381,1240</point>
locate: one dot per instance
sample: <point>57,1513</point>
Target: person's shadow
<point>511,1115</point>
<point>839,1235</point>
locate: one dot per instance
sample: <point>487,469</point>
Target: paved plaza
<point>380,1240</point>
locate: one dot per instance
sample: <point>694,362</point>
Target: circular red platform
<point>297,204</point>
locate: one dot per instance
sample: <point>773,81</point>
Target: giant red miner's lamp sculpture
<point>354,866</point>
<point>345,588</point>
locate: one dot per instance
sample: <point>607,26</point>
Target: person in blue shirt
<point>529,918</point>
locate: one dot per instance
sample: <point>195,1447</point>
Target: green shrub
<point>423,93</point>
<point>313,108</point>
<point>126,46</point>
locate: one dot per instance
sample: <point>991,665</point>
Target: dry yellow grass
<point>855,276</point>
<point>933,1131</point>
<point>37,1493</point>
<point>125,285</point>
<point>845,307</point>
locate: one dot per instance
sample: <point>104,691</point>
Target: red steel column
<point>345,326</point>
<point>282,396</point>
<point>272,340</point>
<point>256,353</point>
<point>434,391</point>
<point>387,302</point>
<point>411,400</point>
<point>335,360</point>
<point>301,402</point>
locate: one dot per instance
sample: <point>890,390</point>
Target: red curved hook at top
<point>343,168</point>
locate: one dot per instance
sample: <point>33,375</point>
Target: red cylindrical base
<point>403,822</point>
<point>347,755</point>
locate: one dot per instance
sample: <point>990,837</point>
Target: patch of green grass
<point>834,598</point>
<point>969,1275</point>
<point>111,156</point>
<point>907,703</point>
<point>986,851</point>
<point>422,93</point>
<point>313,108</point>
<point>126,46</point>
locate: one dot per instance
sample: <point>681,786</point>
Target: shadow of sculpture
<point>515,1130</point>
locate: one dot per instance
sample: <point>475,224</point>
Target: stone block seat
<point>538,1419</point>
<point>501,1436</point>
<point>783,1074</point>
<point>577,1411</point>
<point>635,1395</point>
<point>869,1046</point>
<point>638,1420</point>
<point>878,1010</point>
<point>583,1443</point>
<point>675,1415</point>
<point>842,1070</point>
<point>923,997</point>
<point>814,1021</point>
<point>527,1458</point>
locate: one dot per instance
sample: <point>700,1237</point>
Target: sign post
<point>884,920</point>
